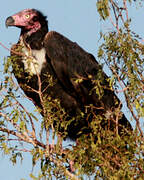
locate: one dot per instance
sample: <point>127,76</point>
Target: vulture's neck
<point>35,40</point>
<point>32,46</point>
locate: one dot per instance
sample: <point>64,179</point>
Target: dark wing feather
<point>71,62</point>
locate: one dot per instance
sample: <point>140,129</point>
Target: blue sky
<point>76,19</point>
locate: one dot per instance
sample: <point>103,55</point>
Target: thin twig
<point>125,7</point>
<point>23,138</point>
<point>128,104</point>
<point>115,14</point>
<point>14,52</point>
<point>31,121</point>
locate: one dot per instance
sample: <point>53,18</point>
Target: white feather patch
<point>34,61</point>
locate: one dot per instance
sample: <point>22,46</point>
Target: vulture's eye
<point>27,16</point>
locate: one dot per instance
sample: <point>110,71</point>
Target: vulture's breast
<point>34,60</point>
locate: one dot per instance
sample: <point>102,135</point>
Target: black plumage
<point>75,72</point>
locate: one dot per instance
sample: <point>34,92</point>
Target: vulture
<point>79,83</point>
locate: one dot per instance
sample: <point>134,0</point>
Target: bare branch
<point>14,52</point>
<point>125,8</point>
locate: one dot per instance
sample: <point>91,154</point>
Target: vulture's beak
<point>9,21</point>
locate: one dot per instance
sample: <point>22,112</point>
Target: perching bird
<point>78,79</point>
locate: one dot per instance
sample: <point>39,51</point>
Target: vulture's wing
<point>76,69</point>
<point>70,62</point>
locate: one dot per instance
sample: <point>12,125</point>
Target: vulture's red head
<point>30,20</point>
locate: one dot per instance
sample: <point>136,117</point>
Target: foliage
<point>103,154</point>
